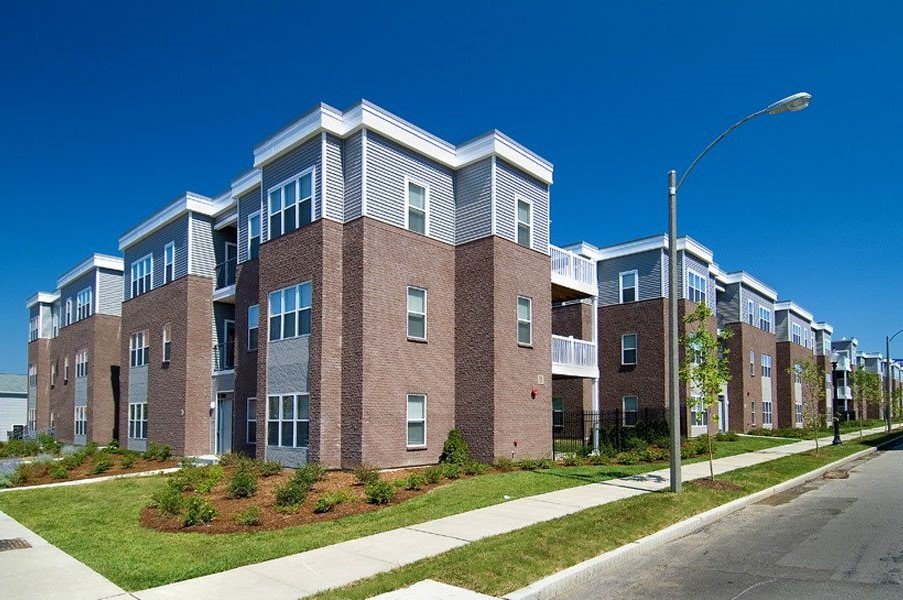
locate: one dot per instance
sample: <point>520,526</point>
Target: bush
<point>243,484</point>
<point>268,468</point>
<point>187,462</point>
<point>653,454</point>
<point>662,442</point>
<point>157,452</point>
<point>58,471</point>
<point>433,475</point>
<point>473,467</point>
<point>627,458</point>
<point>599,459</point>
<point>198,510</point>
<point>127,461</point>
<point>527,464</point>
<point>168,499</point>
<point>414,482</point>
<point>571,460</point>
<point>379,492</point>
<point>231,459</point>
<point>365,474</point>
<point>504,464</point>
<point>451,471</point>
<point>308,475</point>
<point>454,450</point>
<point>727,436</point>
<point>328,501</point>
<point>206,478</point>
<point>101,463</point>
<point>47,444</point>
<point>249,516</point>
<point>637,444</point>
<point>290,495</point>
<point>113,444</point>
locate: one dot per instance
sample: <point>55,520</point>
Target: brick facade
<point>39,356</point>
<point>247,294</point>
<point>787,354</point>
<point>576,393</point>
<point>746,381</point>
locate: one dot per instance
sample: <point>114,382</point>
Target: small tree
<point>814,395</point>
<point>866,392</point>
<point>705,364</point>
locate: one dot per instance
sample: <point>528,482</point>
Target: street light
<point>792,103</point>
<point>887,378</point>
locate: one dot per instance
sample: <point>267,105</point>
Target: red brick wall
<point>103,378</point>
<point>573,320</point>
<point>787,354</point>
<point>745,387</point>
<point>39,352</point>
<point>71,339</point>
<point>246,294</point>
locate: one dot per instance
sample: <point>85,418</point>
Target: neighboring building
<point>795,342</point>
<point>823,359</point>
<point>73,359</point>
<point>746,309</point>
<point>844,363</point>
<point>13,403</point>
<point>873,362</point>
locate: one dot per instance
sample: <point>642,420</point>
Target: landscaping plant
<point>249,516</point>
<point>102,463</point>
<point>128,460</point>
<point>866,391</point>
<point>379,492</point>
<point>243,483</point>
<point>198,510</point>
<point>58,471</point>
<point>454,450</point>
<point>433,475</point>
<point>168,499</point>
<point>268,468</point>
<point>365,474</point>
<point>814,395</point>
<point>328,501</point>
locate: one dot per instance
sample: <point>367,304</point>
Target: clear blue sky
<point>107,115</point>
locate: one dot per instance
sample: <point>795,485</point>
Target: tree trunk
<point>711,461</point>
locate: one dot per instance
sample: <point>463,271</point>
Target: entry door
<point>228,344</point>
<point>231,258</point>
<point>722,413</point>
<point>223,423</point>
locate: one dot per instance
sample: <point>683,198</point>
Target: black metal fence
<point>572,432</point>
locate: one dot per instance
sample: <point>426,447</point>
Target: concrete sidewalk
<point>310,572</point>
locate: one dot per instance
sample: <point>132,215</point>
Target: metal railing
<point>572,266</point>
<point>225,273</point>
<point>224,356</point>
<point>570,351</point>
<point>572,431</point>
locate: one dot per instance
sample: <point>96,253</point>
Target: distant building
<point>13,403</point>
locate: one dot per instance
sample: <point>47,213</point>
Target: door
<point>223,422</point>
<point>228,345</point>
<point>722,413</point>
<point>231,258</point>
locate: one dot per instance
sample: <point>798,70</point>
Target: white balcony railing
<point>844,392</point>
<point>843,363</point>
<point>574,358</point>
<point>573,271</point>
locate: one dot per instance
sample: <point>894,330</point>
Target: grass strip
<point>504,563</point>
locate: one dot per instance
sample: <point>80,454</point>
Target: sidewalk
<point>310,572</point>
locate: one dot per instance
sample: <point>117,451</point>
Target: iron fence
<point>572,432</point>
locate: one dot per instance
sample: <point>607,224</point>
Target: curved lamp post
<point>795,102</point>
<point>887,382</point>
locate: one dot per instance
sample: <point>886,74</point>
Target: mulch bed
<point>84,471</point>
<point>718,485</point>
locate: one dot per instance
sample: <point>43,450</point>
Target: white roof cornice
<point>367,115</point>
<point>657,242</point>
<point>245,182</point>
<point>190,202</point>
<point>794,307</point>
<point>42,298</point>
<point>752,283</point>
<point>823,326</point>
<point>95,261</point>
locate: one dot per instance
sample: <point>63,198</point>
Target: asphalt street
<point>830,538</point>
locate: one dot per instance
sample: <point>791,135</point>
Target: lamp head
<point>790,103</point>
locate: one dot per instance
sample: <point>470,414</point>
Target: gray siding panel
<point>71,290</point>
<point>729,304</point>
<point>352,156</point>
<point>109,293</point>
<point>288,366</point>
<point>649,275</point>
<point>690,262</point>
<point>203,250</point>
<point>137,393</point>
<point>387,164</point>
<point>176,231</point>
<point>285,167</point>
<point>781,326</point>
<point>510,181</point>
<point>334,182</point>
<point>473,202</point>
<point>47,319</point>
<point>759,300</point>
<point>248,204</point>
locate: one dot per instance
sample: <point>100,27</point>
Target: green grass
<point>501,564</point>
<point>98,523</point>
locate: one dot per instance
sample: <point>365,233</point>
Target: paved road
<point>839,538</point>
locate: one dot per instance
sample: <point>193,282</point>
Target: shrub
<point>451,471</point>
<point>5,482</point>
<point>187,462</point>
<point>571,460</point>
<point>473,467</point>
<point>328,501</point>
<point>127,461</point>
<point>504,464</point>
<point>168,499</point>
<point>290,495</point>
<point>414,482</point>
<point>268,468</point>
<point>365,474</point>
<point>727,436</point>
<point>102,463</point>
<point>637,444</point>
<point>598,459</point>
<point>230,459</point>
<point>527,464</point>
<point>454,450</point>
<point>662,442</point>
<point>58,471</point>
<point>90,448</point>
<point>627,458</point>
<point>207,477</point>
<point>157,452</point>
<point>249,516</point>
<point>308,475</point>
<point>584,451</point>
<point>47,444</point>
<point>243,484</point>
<point>113,444</point>
<point>653,454</point>
<point>198,510</point>
<point>379,492</point>
<point>433,475</point>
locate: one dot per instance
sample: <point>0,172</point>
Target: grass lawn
<point>98,523</point>
<point>504,563</point>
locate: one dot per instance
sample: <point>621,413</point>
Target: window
<point>750,312</point>
<point>290,312</point>
<point>142,270</point>
<point>288,420</point>
<point>752,363</point>
<point>416,313</point>
<point>417,201</point>
<point>799,412</point>
<point>32,376</point>
<point>766,412</point>
<point>291,205</point>
<point>628,349</point>
<point>167,342</point>
<point>752,413</point>
<point>81,363</point>
<point>251,421</point>
<point>138,349</point>
<point>557,414</point>
<point>68,311</point>
<point>65,369</point>
<point>524,223</point>
<point>698,415</point>
<point>764,319</point>
<point>33,329</point>
<point>53,374</point>
<point>56,324</point>
<point>798,375</point>
<point>797,334</point>
<point>254,235</point>
<point>524,321</point>
<point>32,418</point>
<point>84,303</point>
<point>628,286</point>
<point>253,327</point>
<point>631,410</point>
<point>138,420</point>
<point>696,287</point>
<point>169,262</point>
<point>81,421</point>
<point>416,420</point>
<point>766,365</point>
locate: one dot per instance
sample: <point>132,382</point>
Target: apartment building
<point>746,308</point>
<point>873,362</point>
<point>73,358</point>
<point>843,363</point>
<point>795,342</point>
<point>824,358</point>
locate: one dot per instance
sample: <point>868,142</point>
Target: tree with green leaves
<point>866,392</point>
<point>706,365</point>
<point>814,395</point>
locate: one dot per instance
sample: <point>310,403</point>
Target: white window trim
<point>257,328</point>
<point>705,282</point>
<point>636,285</point>
<point>136,422</point>
<point>150,257</point>
<point>766,312</point>
<point>752,363</point>
<point>766,358</point>
<point>80,411</point>
<point>133,347</point>
<point>750,312</point>
<point>312,171</point>
<point>295,420</point>
<point>296,312</point>
<point>407,203</point>
<point>248,420</point>
<point>519,321</point>
<point>518,198</point>
<point>624,409</point>
<point>84,304</point>
<point>408,420</point>
<point>635,349</point>
<point>167,338</point>
<point>167,277</point>
<point>409,312</point>
<point>257,214</point>
<point>68,311</point>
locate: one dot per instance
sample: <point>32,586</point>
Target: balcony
<point>844,363</point>
<point>224,357</point>
<point>573,358</point>
<point>573,276</point>
<point>844,392</point>
<point>225,282</point>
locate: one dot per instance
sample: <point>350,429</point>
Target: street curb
<point>89,480</point>
<point>554,584</point>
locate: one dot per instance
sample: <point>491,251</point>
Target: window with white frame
<point>417,203</point>
<point>628,286</point>
<point>253,327</point>
<point>142,273</point>
<point>752,413</point>
<point>288,420</point>
<point>55,326</point>
<point>524,321</point>
<point>32,376</point>
<point>169,262</point>
<point>138,420</point>
<point>416,420</point>
<point>167,342</point>
<point>253,235</point>
<point>798,414</point>
<point>81,420</point>
<point>33,329</point>
<point>32,419</point>
<point>796,334</point>
<point>698,414</point>
<point>81,363</point>
<point>291,204</point>
<point>628,349</point>
<point>696,287</point>
<point>53,368</point>
<point>68,311</point>
<point>630,410</point>
<point>66,369</point>
<point>84,304</point>
<point>750,312</point>
<point>290,312</point>
<point>138,349</point>
<point>764,319</point>
<point>766,365</point>
<point>766,412</point>
<point>525,223</point>
<point>752,363</point>
<point>251,421</point>
<point>416,313</point>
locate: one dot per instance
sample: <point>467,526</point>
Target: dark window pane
<point>273,433</point>
<point>416,221</point>
<point>289,325</point>
<point>275,327</point>
<point>275,225</point>
<point>523,235</point>
<point>252,339</point>
<point>255,247</point>
<point>305,212</point>
<point>290,218</point>
<point>523,333</point>
<point>303,430</point>
<point>416,328</point>
<point>287,433</point>
<point>304,322</point>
